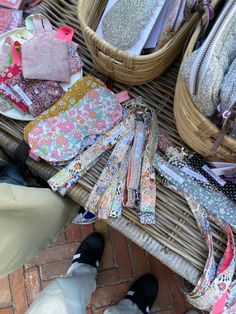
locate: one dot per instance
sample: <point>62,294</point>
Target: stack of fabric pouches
<point>33,79</point>
<point>210,73</point>
<point>143,26</point>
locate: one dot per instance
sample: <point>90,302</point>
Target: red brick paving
<point>122,262</point>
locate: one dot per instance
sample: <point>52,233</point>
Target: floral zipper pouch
<point>69,99</point>
<point>205,68</point>
<point>59,138</point>
<point>51,60</point>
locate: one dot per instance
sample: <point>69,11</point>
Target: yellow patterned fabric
<point>76,92</point>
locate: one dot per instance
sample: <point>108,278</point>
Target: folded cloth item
<point>37,95</point>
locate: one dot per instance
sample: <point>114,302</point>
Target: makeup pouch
<point>125,22</point>
<point>228,89</point>
<point>69,99</point>
<point>59,138</point>
<point>205,68</point>
<point>45,57</point>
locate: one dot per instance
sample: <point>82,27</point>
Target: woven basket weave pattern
<point>118,64</point>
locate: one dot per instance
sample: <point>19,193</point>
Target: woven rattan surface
<point>174,239</point>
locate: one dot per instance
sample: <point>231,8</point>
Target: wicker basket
<point>119,65</point>
<point>195,129</point>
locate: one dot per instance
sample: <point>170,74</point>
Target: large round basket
<point>119,65</point>
<point>195,129</point>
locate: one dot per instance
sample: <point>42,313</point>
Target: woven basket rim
<point>207,121</point>
<point>123,53</point>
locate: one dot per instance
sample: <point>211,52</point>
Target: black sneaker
<point>143,292</point>
<point>90,251</point>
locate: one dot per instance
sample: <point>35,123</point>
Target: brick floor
<point>122,262</point>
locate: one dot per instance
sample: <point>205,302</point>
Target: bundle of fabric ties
<point>128,179</point>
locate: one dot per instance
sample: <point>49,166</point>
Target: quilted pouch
<point>205,68</point>
<point>45,57</point>
<point>69,99</point>
<point>228,89</point>
<point>59,138</point>
<point>125,21</point>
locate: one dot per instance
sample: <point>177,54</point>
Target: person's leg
<point>72,294</point>
<point>139,299</point>
<point>30,220</point>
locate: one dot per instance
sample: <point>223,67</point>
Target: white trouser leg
<point>68,295</point>
<point>123,307</point>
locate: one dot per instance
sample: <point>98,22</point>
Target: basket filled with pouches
<point>205,94</point>
<point>135,41</point>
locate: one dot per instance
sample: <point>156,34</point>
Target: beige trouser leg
<point>68,295</point>
<point>30,219</point>
<point>123,307</point>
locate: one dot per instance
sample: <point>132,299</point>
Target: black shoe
<point>143,292</point>
<point>90,251</point>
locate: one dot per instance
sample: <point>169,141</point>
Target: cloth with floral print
<point>101,198</point>
<point>37,95</point>
<point>215,280</point>
<point>117,180</point>
<point>76,63</point>
<point>174,19</point>
<point>59,138</point>
<point>109,191</point>
<point>9,19</point>
<point>213,286</point>
<point>135,165</point>
<point>7,73</point>
<point>148,176</point>
<point>71,174</point>
<point>118,199</point>
<point>216,202</point>
<point>207,296</point>
<point>69,99</point>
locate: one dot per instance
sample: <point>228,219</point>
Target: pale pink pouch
<point>45,57</point>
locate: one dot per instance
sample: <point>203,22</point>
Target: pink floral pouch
<point>45,57</point>
<point>59,138</point>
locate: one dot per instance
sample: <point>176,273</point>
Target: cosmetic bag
<point>59,138</point>
<point>45,56</point>
<point>205,68</point>
<point>69,99</point>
